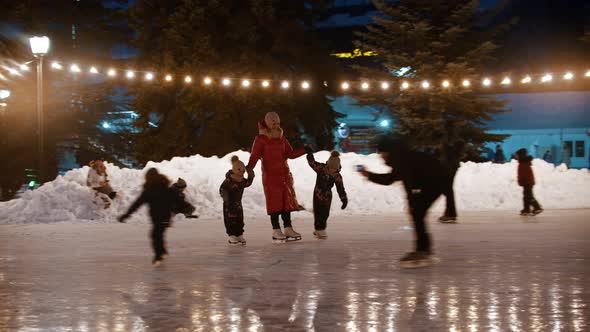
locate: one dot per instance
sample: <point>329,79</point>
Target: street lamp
<point>40,47</point>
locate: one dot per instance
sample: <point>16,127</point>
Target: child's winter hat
<point>236,163</point>
<point>180,183</point>
<point>334,160</point>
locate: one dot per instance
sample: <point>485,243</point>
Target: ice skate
<point>291,234</point>
<point>278,236</point>
<point>447,220</point>
<point>536,211</point>
<point>320,235</point>
<point>525,213</point>
<point>157,261</point>
<point>416,259</point>
<point>233,240</point>
<point>242,239</point>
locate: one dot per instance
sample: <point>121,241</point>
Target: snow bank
<point>478,186</point>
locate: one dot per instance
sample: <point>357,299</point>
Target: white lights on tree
<point>305,85</point>
<point>546,78</point>
<point>405,85</point>
<point>207,80</point>
<point>39,45</point>
<point>568,76</point>
<point>75,69</point>
<point>526,80</point>
<point>384,85</point>
<point>245,83</point>
<point>93,70</point>
<point>56,65</point>
<point>506,81</point>
<point>112,73</point>
<point>587,73</point>
<point>226,82</point>
<point>130,74</point>
<point>265,84</point>
<point>149,76</point>
<point>345,85</point>
<point>425,85</point>
<point>365,86</point>
<point>168,78</point>
<point>285,85</point>
<point>446,84</point>
<point>466,83</point>
<point>188,79</point>
<point>487,82</point>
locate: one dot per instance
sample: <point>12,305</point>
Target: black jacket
<point>161,200</point>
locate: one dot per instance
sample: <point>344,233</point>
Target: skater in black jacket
<point>328,174</point>
<point>424,179</point>
<point>161,200</point>
<point>231,191</point>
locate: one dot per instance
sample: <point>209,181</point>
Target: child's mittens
<point>344,203</point>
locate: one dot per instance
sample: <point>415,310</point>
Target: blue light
<point>106,125</point>
<point>384,123</point>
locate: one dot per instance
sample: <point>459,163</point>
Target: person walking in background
<point>328,175</point>
<point>526,179</point>
<point>566,155</point>
<point>499,157</point>
<point>231,191</point>
<point>161,200</point>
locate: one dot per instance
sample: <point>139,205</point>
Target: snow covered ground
<point>483,186</point>
<point>497,272</point>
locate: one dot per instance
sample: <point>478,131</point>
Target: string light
<point>446,84</point>
<point>207,80</point>
<point>526,80</point>
<point>568,76</point>
<point>149,76</point>
<point>425,84</point>
<point>365,86</point>
<point>56,65</point>
<point>112,73</point>
<point>305,85</point>
<point>384,85</point>
<point>24,67</point>
<point>587,73</point>
<point>168,78</point>
<point>130,74</point>
<point>466,83</point>
<point>93,70</point>
<point>75,69</point>
<point>345,85</point>
<point>265,84</point>
<point>487,82</point>
<point>285,85</point>
<point>405,85</point>
<point>226,82</point>
<point>506,81</point>
<point>12,71</point>
<point>546,78</point>
<point>245,83</point>
<point>188,79</point>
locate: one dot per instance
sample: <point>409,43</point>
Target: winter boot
<point>416,259</point>
<point>278,236</point>
<point>233,240</point>
<point>242,239</point>
<point>448,220</point>
<point>291,234</point>
<point>157,261</point>
<point>537,211</point>
<point>320,235</point>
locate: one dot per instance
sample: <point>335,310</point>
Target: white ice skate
<point>320,235</point>
<point>242,239</point>
<point>278,236</point>
<point>291,234</point>
<point>417,259</point>
<point>233,240</point>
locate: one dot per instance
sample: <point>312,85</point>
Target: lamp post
<point>40,47</point>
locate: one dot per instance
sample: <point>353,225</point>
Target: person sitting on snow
<point>182,206</point>
<point>98,180</point>
<point>328,174</point>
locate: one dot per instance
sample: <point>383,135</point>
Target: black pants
<point>234,221</point>
<point>450,209</point>
<point>528,199</point>
<point>321,212</point>
<point>157,234</point>
<point>274,220</point>
<point>419,203</point>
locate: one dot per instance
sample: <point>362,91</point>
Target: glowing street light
<point>106,125</point>
<point>40,47</point>
<point>384,123</point>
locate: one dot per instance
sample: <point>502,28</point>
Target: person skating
<point>161,200</point>
<point>423,178</point>
<point>526,179</point>
<point>274,149</point>
<point>182,205</point>
<point>451,161</point>
<point>328,175</point>
<point>231,191</point>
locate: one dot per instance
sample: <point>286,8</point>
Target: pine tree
<point>436,40</point>
<point>238,39</point>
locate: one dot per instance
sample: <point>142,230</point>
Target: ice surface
<point>478,186</point>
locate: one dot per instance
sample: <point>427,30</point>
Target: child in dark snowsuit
<point>424,179</point>
<point>328,174</point>
<point>161,200</point>
<point>231,191</point>
<point>526,179</point>
<point>182,205</point>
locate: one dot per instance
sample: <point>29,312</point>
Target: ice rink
<point>497,272</point>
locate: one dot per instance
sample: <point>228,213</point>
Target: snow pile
<point>478,186</point>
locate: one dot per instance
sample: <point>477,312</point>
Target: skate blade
<point>419,264</point>
<point>157,263</point>
<point>447,221</point>
<point>278,241</point>
<point>320,237</point>
<point>293,239</point>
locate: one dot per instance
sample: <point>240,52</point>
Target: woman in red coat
<point>273,148</point>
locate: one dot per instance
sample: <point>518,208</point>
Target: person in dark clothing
<point>161,200</point>
<point>328,175</point>
<point>499,157</point>
<point>424,178</point>
<point>182,206</point>
<point>450,161</point>
<point>231,191</point>
<point>526,179</point>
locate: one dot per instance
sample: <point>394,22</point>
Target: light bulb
<point>405,85</point>
<point>265,84</point>
<point>506,81</point>
<point>365,86</point>
<point>384,85</point>
<point>93,70</point>
<point>130,74</point>
<point>207,80</point>
<point>466,83</point>
<point>149,76</point>
<point>285,85</point>
<point>446,84</point>
<point>226,82</point>
<point>425,84</point>
<point>245,83</point>
<point>305,85</point>
<point>112,73</point>
<point>568,76</point>
<point>168,78</point>
<point>188,79</point>
<point>345,85</point>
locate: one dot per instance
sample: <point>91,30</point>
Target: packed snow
<point>478,187</point>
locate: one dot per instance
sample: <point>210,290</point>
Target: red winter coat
<point>525,173</point>
<point>276,176</point>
